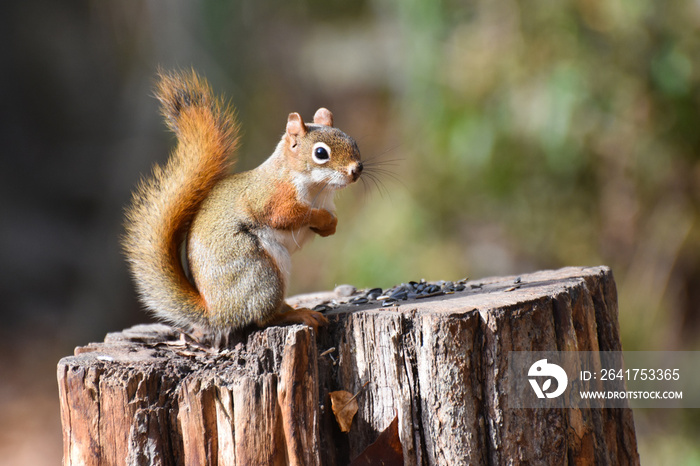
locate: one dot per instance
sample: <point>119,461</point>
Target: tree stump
<point>144,396</point>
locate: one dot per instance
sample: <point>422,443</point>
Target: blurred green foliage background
<point>506,137</point>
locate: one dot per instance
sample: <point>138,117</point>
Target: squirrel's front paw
<point>328,227</point>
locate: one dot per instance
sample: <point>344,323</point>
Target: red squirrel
<point>237,230</point>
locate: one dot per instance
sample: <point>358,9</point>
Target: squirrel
<point>236,231</point>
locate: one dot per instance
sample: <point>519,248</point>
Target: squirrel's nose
<point>355,170</point>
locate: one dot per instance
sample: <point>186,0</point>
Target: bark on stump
<point>438,363</point>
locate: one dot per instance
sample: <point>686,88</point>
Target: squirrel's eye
<point>321,153</point>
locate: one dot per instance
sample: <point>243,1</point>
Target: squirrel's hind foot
<point>301,315</point>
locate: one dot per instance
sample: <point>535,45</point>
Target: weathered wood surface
<point>438,363</point>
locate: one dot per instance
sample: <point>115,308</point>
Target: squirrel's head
<point>320,153</point>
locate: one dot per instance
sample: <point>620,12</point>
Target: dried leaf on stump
<point>344,407</point>
<point>386,450</point>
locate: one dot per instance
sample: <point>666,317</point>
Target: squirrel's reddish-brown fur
<point>164,205</point>
<point>237,230</point>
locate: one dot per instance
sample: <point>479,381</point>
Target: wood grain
<point>144,397</point>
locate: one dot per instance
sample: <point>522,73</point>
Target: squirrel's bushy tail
<point>164,204</point>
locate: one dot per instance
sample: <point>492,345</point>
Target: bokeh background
<point>507,137</point>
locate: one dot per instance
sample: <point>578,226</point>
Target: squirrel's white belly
<point>281,244</point>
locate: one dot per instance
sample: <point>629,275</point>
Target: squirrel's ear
<point>323,116</point>
<point>295,125</point>
<point>295,128</point>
